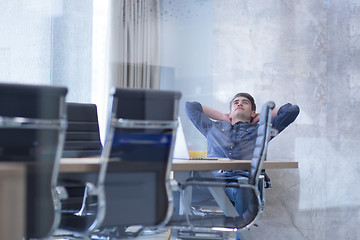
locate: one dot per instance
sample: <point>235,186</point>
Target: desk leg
<point>221,198</point>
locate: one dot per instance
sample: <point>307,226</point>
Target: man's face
<point>241,109</point>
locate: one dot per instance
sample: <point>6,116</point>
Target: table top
<point>226,164</point>
<point>92,164</point>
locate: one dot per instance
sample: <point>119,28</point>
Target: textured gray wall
<point>304,52</point>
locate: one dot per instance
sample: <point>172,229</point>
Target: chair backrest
<point>263,137</point>
<point>82,135</point>
<point>32,130</point>
<point>82,140</point>
<point>139,145</point>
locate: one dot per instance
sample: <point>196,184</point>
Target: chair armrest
<point>61,192</point>
<point>175,185</point>
<point>92,189</point>
<point>267,180</point>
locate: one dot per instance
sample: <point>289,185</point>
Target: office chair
<point>82,134</point>
<point>193,223</point>
<point>32,130</point>
<point>139,145</point>
<point>82,140</point>
<point>82,203</point>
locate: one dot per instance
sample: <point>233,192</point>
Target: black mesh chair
<point>82,135</point>
<point>195,223</point>
<point>32,130</point>
<point>79,209</point>
<point>139,145</point>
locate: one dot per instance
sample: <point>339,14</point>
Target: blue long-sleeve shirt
<point>234,141</point>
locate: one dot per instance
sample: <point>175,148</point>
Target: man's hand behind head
<point>227,117</point>
<point>256,118</point>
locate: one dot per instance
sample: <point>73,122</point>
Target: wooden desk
<point>226,164</point>
<point>92,164</point>
<point>12,184</point>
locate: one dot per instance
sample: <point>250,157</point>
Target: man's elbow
<point>193,105</point>
<point>294,112</point>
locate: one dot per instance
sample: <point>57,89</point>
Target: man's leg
<point>243,198</point>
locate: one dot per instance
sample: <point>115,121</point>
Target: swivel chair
<point>82,140</point>
<point>82,134</point>
<point>139,145</point>
<point>194,224</point>
<point>83,194</point>
<point>32,130</point>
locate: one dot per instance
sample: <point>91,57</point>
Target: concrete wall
<point>304,52</point>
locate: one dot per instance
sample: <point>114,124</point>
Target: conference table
<point>181,169</point>
<point>12,187</point>
<point>68,165</point>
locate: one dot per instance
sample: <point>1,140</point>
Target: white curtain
<point>134,44</point>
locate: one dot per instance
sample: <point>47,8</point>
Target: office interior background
<point>305,52</point>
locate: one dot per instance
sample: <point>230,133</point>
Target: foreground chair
<point>208,223</point>
<point>32,130</point>
<point>139,145</point>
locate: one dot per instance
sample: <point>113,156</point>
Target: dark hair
<point>246,95</point>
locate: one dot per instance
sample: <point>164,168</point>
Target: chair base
<point>68,235</point>
<point>189,235</point>
<point>118,233</point>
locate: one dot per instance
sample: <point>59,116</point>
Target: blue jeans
<point>243,198</point>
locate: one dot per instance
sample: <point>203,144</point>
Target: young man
<point>234,135</point>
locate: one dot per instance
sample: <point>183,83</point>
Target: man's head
<point>242,107</point>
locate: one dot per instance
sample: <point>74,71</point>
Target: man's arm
<point>200,116</point>
<point>284,116</point>
<point>216,115</point>
<point>196,115</point>
<point>256,119</point>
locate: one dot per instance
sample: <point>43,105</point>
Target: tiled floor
<point>164,235</point>
<point>158,236</point>
<point>161,235</point>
